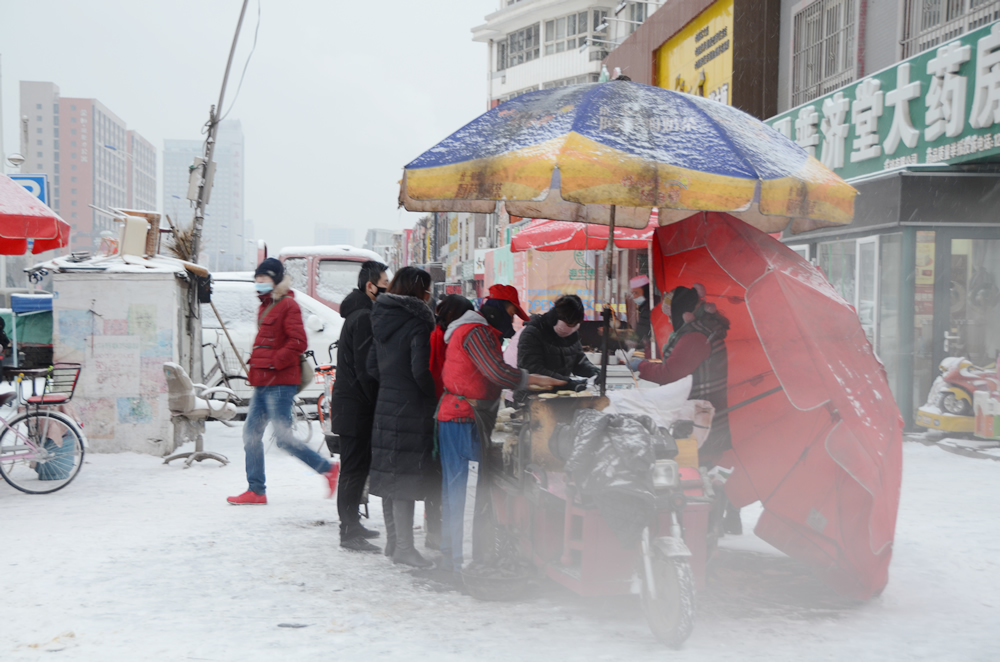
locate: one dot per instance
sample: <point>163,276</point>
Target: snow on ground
<point>140,561</point>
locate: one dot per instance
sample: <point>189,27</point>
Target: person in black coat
<point>550,343</point>
<point>352,405</point>
<point>403,467</point>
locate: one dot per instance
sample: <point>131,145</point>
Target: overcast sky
<point>338,96</point>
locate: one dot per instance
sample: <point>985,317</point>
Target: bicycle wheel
<point>301,427</point>
<point>40,451</point>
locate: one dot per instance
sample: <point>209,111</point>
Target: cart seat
<point>7,398</point>
<point>49,399</point>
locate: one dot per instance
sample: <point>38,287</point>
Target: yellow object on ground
<point>935,420</point>
<point>687,453</point>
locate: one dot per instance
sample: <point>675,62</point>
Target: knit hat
<point>272,268</point>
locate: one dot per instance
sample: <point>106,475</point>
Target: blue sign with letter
<point>37,185</point>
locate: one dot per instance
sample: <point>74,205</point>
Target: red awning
<point>24,217</point>
<point>544,235</point>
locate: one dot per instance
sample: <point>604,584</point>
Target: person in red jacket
<point>275,374</point>
<point>449,309</point>
<point>474,374</point>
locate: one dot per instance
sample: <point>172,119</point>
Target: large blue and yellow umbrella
<point>571,153</point>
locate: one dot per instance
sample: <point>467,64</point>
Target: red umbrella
<point>24,217</point>
<point>822,448</point>
<point>544,235</point>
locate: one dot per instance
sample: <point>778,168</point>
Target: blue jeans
<point>459,445</point>
<point>274,404</point>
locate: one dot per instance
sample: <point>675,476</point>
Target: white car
<point>236,300</point>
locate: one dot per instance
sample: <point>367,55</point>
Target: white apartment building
<point>223,236</point>
<point>538,44</point>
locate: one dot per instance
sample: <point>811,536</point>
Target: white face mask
<point>639,300</point>
<point>564,330</point>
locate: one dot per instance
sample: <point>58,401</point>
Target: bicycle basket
<point>60,384</point>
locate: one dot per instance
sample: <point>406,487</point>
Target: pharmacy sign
<point>941,106</point>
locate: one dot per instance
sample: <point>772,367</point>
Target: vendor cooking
<point>550,345</point>
<point>697,347</point>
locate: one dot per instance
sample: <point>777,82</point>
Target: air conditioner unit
<point>484,242</point>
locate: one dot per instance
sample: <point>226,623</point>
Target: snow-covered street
<point>140,561</point>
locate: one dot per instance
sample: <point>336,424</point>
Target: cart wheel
<point>949,403</point>
<point>671,614</point>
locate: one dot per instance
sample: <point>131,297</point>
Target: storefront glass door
<point>973,329</point>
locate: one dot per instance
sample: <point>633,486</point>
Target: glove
<point>633,364</point>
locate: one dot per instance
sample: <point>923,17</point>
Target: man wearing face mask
<point>550,345</point>
<point>352,407</point>
<point>640,296</point>
<point>474,373</point>
<point>275,374</point>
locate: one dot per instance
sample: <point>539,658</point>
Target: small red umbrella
<point>821,445</point>
<point>24,217</point>
<point>544,235</point>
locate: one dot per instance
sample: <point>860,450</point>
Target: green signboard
<point>941,106</point>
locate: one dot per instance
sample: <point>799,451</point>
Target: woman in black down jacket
<point>550,345</point>
<point>403,465</point>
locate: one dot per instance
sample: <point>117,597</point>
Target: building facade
<point>91,158</point>
<point>900,98</point>
<point>328,235</point>
<point>538,44</point>
<point>223,235</point>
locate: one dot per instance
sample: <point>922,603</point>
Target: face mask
<point>380,290</point>
<point>564,330</point>
<point>639,300</point>
<point>263,288</point>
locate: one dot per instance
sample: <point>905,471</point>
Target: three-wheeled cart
<point>570,541</point>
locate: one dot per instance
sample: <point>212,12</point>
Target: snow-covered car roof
<point>338,251</point>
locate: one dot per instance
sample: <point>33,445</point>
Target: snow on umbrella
<point>545,235</point>
<point>574,153</point>
<point>24,217</point>
<point>822,449</point>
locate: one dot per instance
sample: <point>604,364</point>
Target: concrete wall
<point>122,328</point>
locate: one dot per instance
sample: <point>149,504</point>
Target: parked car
<point>326,273</point>
<point>236,300</point>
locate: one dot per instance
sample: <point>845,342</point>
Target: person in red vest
<point>474,373</point>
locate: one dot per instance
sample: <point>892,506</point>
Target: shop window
<point>866,300</point>
<point>838,261</point>
<point>974,324</point>
<point>823,45</point>
<point>890,277</point>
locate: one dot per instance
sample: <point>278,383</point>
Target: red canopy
<point>543,235</point>
<point>24,217</point>
<point>824,453</point>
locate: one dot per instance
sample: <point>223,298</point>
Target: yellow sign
<point>699,59</point>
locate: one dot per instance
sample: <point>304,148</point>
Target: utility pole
<point>204,192</point>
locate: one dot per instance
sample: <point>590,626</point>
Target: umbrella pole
<point>609,260</point>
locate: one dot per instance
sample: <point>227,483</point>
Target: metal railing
<point>927,23</point>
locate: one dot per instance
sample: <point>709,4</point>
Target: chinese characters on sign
<point>940,106</point>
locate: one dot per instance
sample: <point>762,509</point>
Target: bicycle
<point>41,449</point>
<point>223,373</point>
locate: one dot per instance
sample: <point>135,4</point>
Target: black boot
<point>405,553</point>
<point>359,544</point>
<point>390,527</point>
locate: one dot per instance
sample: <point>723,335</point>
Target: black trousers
<point>355,462</point>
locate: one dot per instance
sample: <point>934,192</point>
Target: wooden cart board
<point>545,413</point>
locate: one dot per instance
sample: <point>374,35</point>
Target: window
<point>73,179</point>
<point>637,13</point>
<point>39,118</point>
<point>73,190</point>
<point>39,155</point>
<point>561,33</point>
<point>38,106</point>
<point>72,120</point>
<point>38,130</point>
<point>39,143</point>
<point>927,23</point>
<point>522,46</point>
<point>823,49</point>
<point>337,278</point>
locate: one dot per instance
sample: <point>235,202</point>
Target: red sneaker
<point>331,477</point>
<point>248,498</point>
